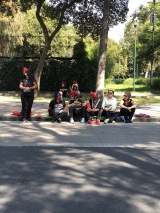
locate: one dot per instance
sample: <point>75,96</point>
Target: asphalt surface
<point>64,168</point>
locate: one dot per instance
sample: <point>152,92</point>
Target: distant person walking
<point>27,85</point>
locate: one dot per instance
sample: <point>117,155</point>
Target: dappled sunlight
<point>54,177</point>
<point>7,194</point>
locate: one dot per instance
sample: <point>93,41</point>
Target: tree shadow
<point>86,179</point>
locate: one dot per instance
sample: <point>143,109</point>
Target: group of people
<point>93,107</point>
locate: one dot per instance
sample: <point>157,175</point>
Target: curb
<point>43,118</point>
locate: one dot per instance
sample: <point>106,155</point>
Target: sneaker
<point>113,122</point>
<point>59,120</point>
<point>98,122</point>
<point>24,120</point>
<point>89,121</point>
<point>71,121</point>
<point>82,120</point>
<point>106,121</point>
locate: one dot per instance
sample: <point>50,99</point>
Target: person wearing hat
<point>27,85</point>
<point>93,108</point>
<point>76,107</point>
<point>57,108</point>
<point>109,106</point>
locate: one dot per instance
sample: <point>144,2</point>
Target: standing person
<point>128,107</point>
<point>75,87</point>
<point>27,85</point>
<point>63,88</point>
<point>109,106</point>
<point>76,107</point>
<point>57,108</point>
<point>94,108</point>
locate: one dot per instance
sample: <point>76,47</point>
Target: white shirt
<point>110,103</point>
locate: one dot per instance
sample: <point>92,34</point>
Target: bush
<point>142,81</point>
<point>156,84</point>
<point>128,81</point>
<point>118,81</point>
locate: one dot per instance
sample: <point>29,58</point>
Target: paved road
<point>51,168</point>
<point>79,135</point>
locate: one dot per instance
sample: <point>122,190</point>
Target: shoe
<point>82,120</point>
<point>89,121</point>
<point>53,120</point>
<point>113,122</point>
<point>128,121</point>
<point>24,120</point>
<point>71,121</point>
<point>106,121</point>
<point>59,120</point>
<point>98,122</point>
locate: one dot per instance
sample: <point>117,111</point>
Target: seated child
<point>128,107</point>
<point>57,108</point>
<point>76,107</point>
<point>93,108</point>
<point>109,106</point>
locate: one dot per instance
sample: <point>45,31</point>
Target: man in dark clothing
<point>57,108</point>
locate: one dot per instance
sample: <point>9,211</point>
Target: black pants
<point>27,102</point>
<point>57,116</point>
<point>127,114</point>
<point>111,115</point>
<point>74,112</point>
<point>96,113</point>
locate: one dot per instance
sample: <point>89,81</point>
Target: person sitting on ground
<point>57,108</point>
<point>127,107</point>
<point>109,106</point>
<point>76,107</point>
<point>63,88</point>
<point>93,108</point>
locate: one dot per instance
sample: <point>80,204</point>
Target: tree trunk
<point>102,50</point>
<point>40,65</point>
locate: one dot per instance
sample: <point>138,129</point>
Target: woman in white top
<point>109,106</point>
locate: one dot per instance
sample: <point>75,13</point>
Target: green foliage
<point>156,84</point>
<point>142,81</point>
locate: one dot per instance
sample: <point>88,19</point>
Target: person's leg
<point>29,106</point>
<point>83,114</point>
<point>71,112</point>
<point>124,112</point>
<point>53,114</point>
<point>24,104</point>
<point>131,113</point>
<point>63,115</point>
<point>87,115</point>
<point>114,115</point>
<point>98,113</point>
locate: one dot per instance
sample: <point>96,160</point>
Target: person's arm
<point>134,105</point>
<point>104,105</point>
<point>21,86</point>
<point>34,86</point>
<point>114,105</point>
<point>122,105</point>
